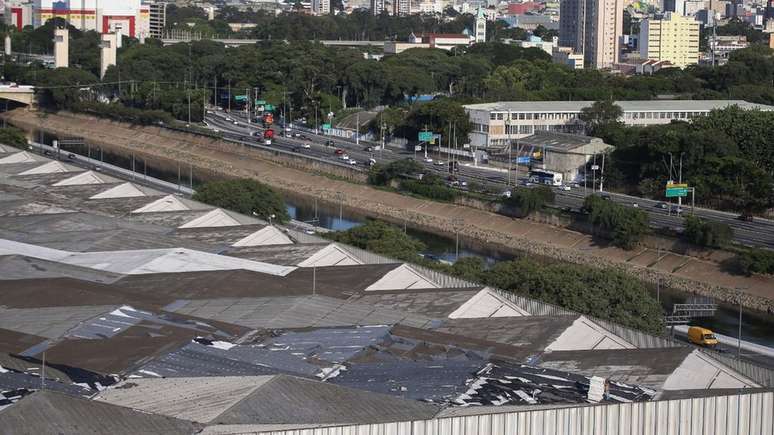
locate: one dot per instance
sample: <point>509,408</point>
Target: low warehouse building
<point>564,153</point>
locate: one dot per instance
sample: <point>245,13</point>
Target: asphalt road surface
<point>235,126</point>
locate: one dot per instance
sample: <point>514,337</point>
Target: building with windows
<point>401,7</point>
<point>321,7</point>
<point>480,32</point>
<point>721,47</point>
<point>157,18</point>
<point>594,28</point>
<point>125,17</point>
<point>497,124</point>
<point>377,6</point>
<point>566,56</point>
<point>673,38</point>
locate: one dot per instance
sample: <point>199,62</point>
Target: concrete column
<point>107,52</point>
<point>7,45</point>
<point>61,48</point>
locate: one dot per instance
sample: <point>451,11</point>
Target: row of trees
<point>602,293</point>
<point>727,156</point>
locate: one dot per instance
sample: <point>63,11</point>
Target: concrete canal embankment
<point>695,274</point>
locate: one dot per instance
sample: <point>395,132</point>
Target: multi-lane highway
<point>235,126</point>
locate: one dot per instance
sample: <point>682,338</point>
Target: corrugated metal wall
<point>746,414</point>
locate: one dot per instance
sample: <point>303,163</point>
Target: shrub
<point>244,196</point>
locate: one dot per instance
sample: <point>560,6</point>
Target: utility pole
<point>189,105</point>
<point>680,180</point>
<point>510,161</point>
<point>357,129</point>
<point>602,175</point>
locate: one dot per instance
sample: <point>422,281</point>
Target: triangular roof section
<point>487,303</point>
<point>199,399</point>
<point>167,203</point>
<point>53,167</point>
<point>266,236</point>
<point>51,412</point>
<point>699,371</point>
<point>88,177</point>
<point>331,255</point>
<point>403,277</point>
<point>20,157</point>
<point>585,334</point>
<point>214,218</point>
<point>242,400</point>
<point>125,190</point>
<point>7,149</point>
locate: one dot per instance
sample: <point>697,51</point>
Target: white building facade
<point>497,124</point>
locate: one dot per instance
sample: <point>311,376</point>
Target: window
<point>521,116</point>
<point>499,116</point>
<point>492,116</point>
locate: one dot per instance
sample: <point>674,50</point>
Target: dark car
<point>328,143</point>
<point>368,149</point>
<point>746,217</point>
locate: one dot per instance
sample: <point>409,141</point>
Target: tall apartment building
<point>377,7</point>
<point>401,7</point>
<point>673,38</point>
<point>594,28</point>
<point>480,30</point>
<point>157,18</point>
<point>321,7</point>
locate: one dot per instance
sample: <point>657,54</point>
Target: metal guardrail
<point>127,173</point>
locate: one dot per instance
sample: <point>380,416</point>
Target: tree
<point>711,234</point>
<point>601,115</point>
<point>381,175</point>
<point>381,238</point>
<point>602,293</point>
<point>625,225</point>
<point>13,136</point>
<point>530,200</point>
<point>244,196</point>
<point>756,260</point>
<point>469,268</point>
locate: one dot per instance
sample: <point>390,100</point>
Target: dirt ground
<point>686,273</point>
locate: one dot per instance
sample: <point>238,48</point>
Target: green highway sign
<point>326,126</point>
<point>240,97</point>
<point>425,136</point>
<point>260,102</point>
<point>674,192</point>
<point>268,108</point>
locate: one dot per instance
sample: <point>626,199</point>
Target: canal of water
<point>757,327</point>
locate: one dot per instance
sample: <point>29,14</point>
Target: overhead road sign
<point>425,136</point>
<point>676,190</point>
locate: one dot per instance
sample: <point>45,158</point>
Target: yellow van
<point>702,336</point>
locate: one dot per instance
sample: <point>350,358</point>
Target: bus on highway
<point>541,176</point>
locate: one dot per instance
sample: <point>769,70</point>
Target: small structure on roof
<point>564,153</point>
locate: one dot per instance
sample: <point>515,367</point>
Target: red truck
<point>268,135</point>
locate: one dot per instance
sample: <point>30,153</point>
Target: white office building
<point>496,124</point>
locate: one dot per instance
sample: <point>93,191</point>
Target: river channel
<point>757,327</point>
